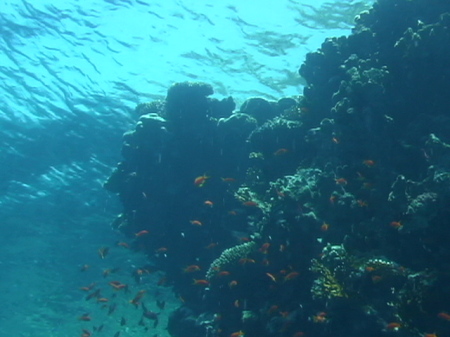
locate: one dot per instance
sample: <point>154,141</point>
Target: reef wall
<point>324,214</point>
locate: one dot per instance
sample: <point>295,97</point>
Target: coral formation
<point>340,195</point>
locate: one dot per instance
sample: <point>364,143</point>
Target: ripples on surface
<point>71,73</point>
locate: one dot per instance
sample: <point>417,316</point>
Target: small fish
<point>324,227</point>
<point>273,278</point>
<point>96,294</point>
<point>161,250</point>
<point>123,321</point>
<point>99,328</point>
<point>208,203</point>
<point>162,281</point>
<point>298,334</point>
<point>137,299</point>
<point>292,275</point>
<point>228,180</point>
<point>201,180</point>
<point>88,288</point>
<point>211,245</point>
<point>321,317</point>
<point>341,181</point>
<point>196,222</point>
<point>103,252</point>
<point>201,282</point>
<point>161,304</point>
<point>150,315</point>
<point>85,317</point>
<point>273,309</point>
<point>141,233</point>
<point>280,152</point>
<point>445,316</point>
<point>112,307</point>
<point>237,334</point>
<point>85,333</point>
<point>107,272</point>
<point>123,244</point>
<point>396,224</point>
<point>250,204</point>
<point>223,273</point>
<point>246,260</point>
<point>369,162</point>
<point>85,267</point>
<point>117,334</point>
<point>264,248</point>
<point>393,326</point>
<point>232,284</point>
<point>192,268</point>
<point>118,286</point>
<point>102,300</point>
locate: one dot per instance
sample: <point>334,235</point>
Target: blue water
<point>71,74</point>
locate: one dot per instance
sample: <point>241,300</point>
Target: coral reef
<point>315,215</point>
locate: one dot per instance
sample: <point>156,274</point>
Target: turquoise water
<point>71,75</point>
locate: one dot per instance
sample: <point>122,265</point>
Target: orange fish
<point>393,326</point>
<point>321,317</point>
<point>192,268</point>
<point>292,275</point>
<point>280,152</point>
<point>298,334</point>
<point>201,180</point>
<point>196,222</point>
<point>376,278</point>
<point>430,335</point>
<point>341,181</point>
<point>88,288</point>
<point>246,260</point>
<point>250,203</point>
<point>324,227</point>
<point>333,199</point>
<point>200,282</point>
<point>273,309</point>
<point>123,244</point>
<point>141,233</point>
<point>102,300</point>
<point>136,300</point>
<point>264,248</point>
<point>362,203</point>
<point>228,180</point>
<point>369,162</point>
<point>396,224</point>
<point>208,203</point>
<point>232,284</point>
<point>237,334</point>
<point>444,316</point>
<point>211,245</point>
<point>117,285</point>
<point>223,273</point>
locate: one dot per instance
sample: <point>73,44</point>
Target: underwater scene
<point>263,168</point>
